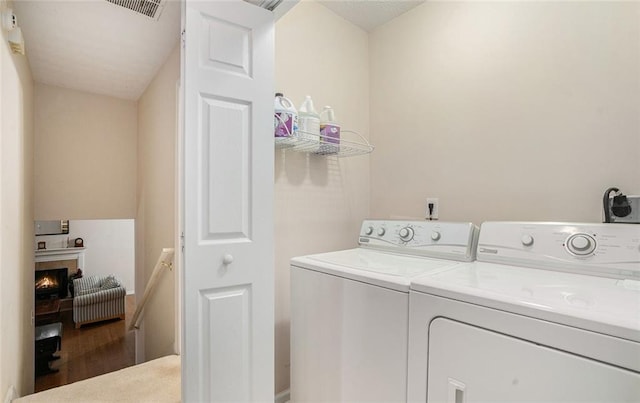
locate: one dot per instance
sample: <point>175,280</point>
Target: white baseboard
<point>283,397</point>
<point>11,394</point>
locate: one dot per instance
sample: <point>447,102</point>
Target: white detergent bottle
<point>285,117</point>
<point>329,131</point>
<point>308,118</point>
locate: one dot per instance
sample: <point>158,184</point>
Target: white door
<point>228,319</point>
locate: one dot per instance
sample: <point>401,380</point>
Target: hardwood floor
<point>92,350</point>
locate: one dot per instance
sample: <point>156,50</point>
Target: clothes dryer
<point>550,312</point>
<point>350,308</point>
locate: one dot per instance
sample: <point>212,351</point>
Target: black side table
<point>48,341</point>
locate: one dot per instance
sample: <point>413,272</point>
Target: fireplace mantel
<point>48,255</point>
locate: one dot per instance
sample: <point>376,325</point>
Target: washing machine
<point>549,312</point>
<point>350,309</point>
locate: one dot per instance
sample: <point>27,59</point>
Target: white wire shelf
<point>322,145</point>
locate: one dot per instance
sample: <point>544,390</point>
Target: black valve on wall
<point>620,206</point>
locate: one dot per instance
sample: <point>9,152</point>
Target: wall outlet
<point>432,213</point>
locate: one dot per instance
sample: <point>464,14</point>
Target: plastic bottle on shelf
<point>285,118</point>
<point>308,118</point>
<point>329,131</point>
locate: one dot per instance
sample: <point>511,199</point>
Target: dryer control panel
<point>446,240</point>
<point>609,250</point>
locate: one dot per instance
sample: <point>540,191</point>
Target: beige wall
<point>85,155</point>
<point>505,110</point>
<point>320,201</point>
<point>16,220</point>
<point>155,224</point>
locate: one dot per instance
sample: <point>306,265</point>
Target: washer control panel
<point>447,240</point>
<point>598,249</point>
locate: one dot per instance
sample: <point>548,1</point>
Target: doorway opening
<point>84,287</point>
<point>105,113</point>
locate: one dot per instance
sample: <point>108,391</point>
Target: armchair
<point>98,298</point>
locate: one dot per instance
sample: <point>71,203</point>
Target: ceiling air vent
<point>268,4</point>
<point>149,8</point>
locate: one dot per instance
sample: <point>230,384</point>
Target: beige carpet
<point>153,381</point>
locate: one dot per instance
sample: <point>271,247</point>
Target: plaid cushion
<point>109,282</point>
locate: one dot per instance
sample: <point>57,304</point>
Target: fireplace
<point>51,283</point>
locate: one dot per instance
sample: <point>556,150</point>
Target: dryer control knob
<point>527,240</point>
<point>435,235</point>
<point>581,244</point>
<point>381,232</point>
<point>369,230</point>
<point>406,234</point>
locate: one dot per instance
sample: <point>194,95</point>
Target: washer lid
<point>379,268</point>
<point>604,305</point>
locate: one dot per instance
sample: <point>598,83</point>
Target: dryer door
<point>470,364</point>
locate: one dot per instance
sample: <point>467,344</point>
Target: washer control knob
<point>406,234</point>
<point>381,232</point>
<point>581,244</point>
<point>369,230</point>
<point>527,240</point>
<point>435,235</point>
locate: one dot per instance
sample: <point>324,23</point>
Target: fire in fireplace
<point>51,283</point>
<point>47,282</point>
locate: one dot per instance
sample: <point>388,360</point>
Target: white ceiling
<point>369,14</point>
<point>96,46</point>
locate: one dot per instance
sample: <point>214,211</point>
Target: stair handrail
<point>164,260</point>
